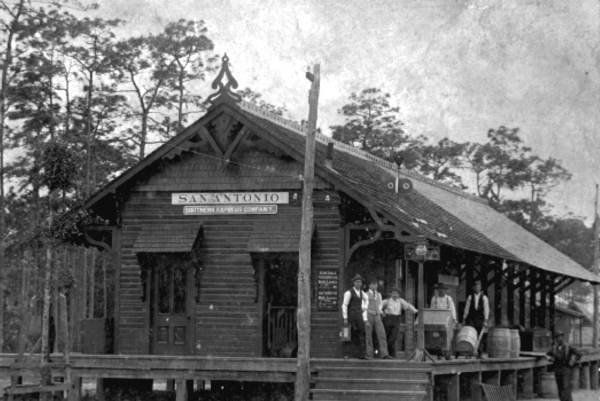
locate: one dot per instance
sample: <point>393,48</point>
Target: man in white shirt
<point>477,308</point>
<point>354,312</point>
<point>374,322</point>
<point>441,300</point>
<point>392,312</point>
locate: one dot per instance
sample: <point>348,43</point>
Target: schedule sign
<point>327,289</point>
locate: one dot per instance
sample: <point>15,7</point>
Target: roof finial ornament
<point>224,89</point>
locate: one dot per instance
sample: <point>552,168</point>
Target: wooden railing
<point>281,330</point>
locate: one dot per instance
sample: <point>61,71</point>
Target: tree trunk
<point>180,105</point>
<point>143,134</point>
<point>92,307</point>
<point>84,284</point>
<point>596,269</point>
<point>67,106</point>
<point>82,304</point>
<point>45,352</point>
<point>88,141</point>
<point>104,289</point>
<point>6,63</point>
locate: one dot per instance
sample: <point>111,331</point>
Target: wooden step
<point>370,384</point>
<point>372,373</point>
<point>370,395</point>
<point>396,363</point>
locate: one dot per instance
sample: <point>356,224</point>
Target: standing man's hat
<point>395,289</point>
<point>558,333</point>
<point>440,286</point>
<point>357,277</point>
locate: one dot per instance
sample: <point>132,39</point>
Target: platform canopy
<point>440,212</point>
<point>179,237</point>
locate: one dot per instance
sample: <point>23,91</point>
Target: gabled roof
<point>441,213</point>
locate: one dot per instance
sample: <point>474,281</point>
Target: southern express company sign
<point>216,203</point>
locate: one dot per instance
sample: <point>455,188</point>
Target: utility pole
<point>303,322</point>
<point>596,269</point>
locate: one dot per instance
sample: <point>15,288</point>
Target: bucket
<point>498,343</point>
<point>466,339</point>
<point>345,334</point>
<point>548,386</point>
<point>515,343</point>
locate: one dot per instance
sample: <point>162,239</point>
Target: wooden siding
<point>227,311</point>
<point>325,326</point>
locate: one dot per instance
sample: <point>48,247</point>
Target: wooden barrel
<point>466,339</point>
<point>548,386</point>
<point>515,343</point>
<point>498,342</point>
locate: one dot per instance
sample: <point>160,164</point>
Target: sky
<point>456,68</point>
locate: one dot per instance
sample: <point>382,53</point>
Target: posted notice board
<point>327,290</point>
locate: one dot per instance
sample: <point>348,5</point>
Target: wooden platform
<point>251,369</point>
<point>340,379</point>
<point>167,367</point>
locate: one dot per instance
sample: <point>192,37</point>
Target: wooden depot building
<point>204,234</point>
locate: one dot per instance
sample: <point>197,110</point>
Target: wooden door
<point>172,308</point>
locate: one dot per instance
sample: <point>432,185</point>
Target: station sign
<point>229,198</point>
<point>229,203</point>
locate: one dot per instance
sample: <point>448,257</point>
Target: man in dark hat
<point>392,312</point>
<point>564,357</point>
<point>354,312</point>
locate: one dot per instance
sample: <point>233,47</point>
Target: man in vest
<point>374,322</point>
<point>477,311</point>
<point>477,308</point>
<point>354,312</point>
<point>564,357</point>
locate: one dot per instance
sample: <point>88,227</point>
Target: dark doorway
<point>378,260</point>
<point>278,298</point>
<point>171,289</point>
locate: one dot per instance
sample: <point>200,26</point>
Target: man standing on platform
<point>392,311</point>
<point>354,311</point>
<point>564,357</point>
<point>441,300</point>
<point>374,322</point>
<point>477,312</point>
<point>477,308</point>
